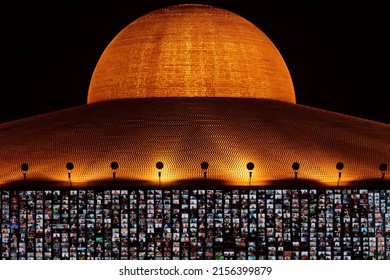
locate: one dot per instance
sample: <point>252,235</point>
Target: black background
<point>337,54</point>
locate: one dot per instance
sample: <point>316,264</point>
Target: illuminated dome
<point>168,178</point>
<point>191,51</point>
<point>225,88</point>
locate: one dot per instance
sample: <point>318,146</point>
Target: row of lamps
<point>204,166</point>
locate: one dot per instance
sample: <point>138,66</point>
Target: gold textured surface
<point>183,132</point>
<point>191,51</point>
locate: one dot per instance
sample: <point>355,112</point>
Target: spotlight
<point>24,170</point>
<point>159,166</point>
<point>295,167</point>
<point>250,166</point>
<point>70,167</point>
<point>114,166</point>
<point>383,168</point>
<point>204,165</point>
<point>339,167</point>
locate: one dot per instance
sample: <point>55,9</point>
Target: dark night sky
<point>337,54</point>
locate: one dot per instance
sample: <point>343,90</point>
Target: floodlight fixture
<point>295,167</point>
<point>204,165</point>
<point>339,167</point>
<point>383,169</point>
<point>70,167</point>
<point>114,166</point>
<point>24,168</point>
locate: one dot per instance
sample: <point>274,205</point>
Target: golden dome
<point>191,51</point>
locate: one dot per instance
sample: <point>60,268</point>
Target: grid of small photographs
<point>195,224</point>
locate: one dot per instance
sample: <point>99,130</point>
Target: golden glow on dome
<point>191,51</point>
<point>183,132</point>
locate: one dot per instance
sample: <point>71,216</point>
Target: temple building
<point>192,146</point>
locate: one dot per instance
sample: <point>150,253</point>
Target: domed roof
<point>191,50</point>
<point>199,57</point>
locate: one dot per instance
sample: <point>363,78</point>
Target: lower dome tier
<point>184,132</point>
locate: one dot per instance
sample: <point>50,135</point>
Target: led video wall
<point>337,224</point>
